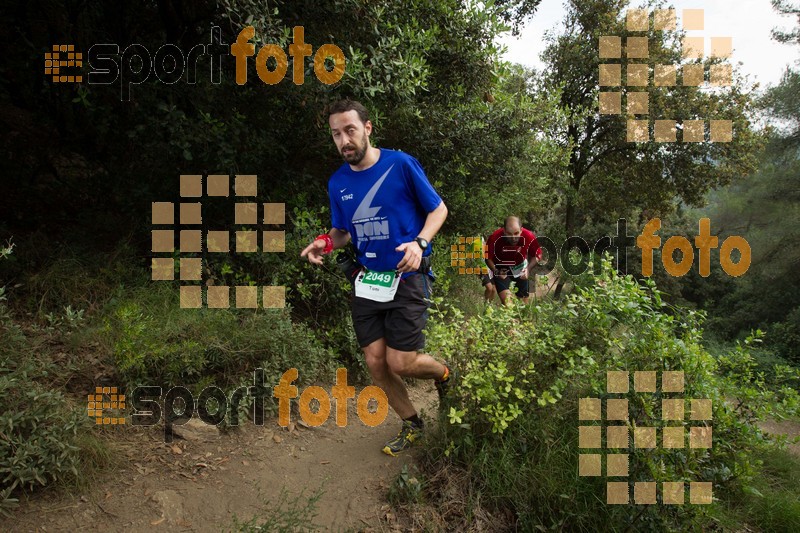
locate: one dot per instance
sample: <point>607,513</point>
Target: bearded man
<point>382,200</point>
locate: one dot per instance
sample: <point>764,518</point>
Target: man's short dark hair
<point>345,105</point>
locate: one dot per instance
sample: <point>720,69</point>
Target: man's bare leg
<point>504,296</point>
<point>386,379</point>
<point>488,292</point>
<point>414,364</point>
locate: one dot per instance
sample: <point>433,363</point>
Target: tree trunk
<point>569,220</point>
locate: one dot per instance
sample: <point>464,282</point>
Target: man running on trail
<point>513,252</point>
<point>382,200</point>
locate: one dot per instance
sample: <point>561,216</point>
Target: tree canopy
<point>608,176</point>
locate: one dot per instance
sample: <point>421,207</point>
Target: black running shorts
<point>400,321</point>
<point>505,284</point>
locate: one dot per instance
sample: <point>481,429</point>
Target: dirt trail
<point>784,427</point>
<point>200,486</point>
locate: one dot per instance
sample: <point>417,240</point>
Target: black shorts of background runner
<point>505,285</point>
<point>400,321</point>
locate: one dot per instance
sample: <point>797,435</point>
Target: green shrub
<point>784,337</point>
<point>73,277</point>
<point>43,438</point>
<point>155,342</point>
<point>514,427</point>
<point>40,432</point>
<point>317,296</point>
<point>406,488</point>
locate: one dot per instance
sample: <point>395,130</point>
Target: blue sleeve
<point>418,181</point>
<point>337,218</point>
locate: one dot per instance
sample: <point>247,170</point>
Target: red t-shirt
<point>505,251</point>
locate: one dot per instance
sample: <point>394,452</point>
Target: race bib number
<point>517,270</point>
<point>377,286</point>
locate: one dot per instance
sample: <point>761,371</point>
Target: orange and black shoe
<point>408,434</point>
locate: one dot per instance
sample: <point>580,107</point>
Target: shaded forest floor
<point>195,485</point>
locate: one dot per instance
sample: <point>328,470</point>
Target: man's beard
<point>358,151</point>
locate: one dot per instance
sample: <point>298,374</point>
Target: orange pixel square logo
<point>194,240</point>
<point>61,58</point>
<point>467,249</point>
<point>622,437</point>
<point>633,85</point>
<point>106,398</point>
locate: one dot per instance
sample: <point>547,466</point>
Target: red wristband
<point>328,242</point>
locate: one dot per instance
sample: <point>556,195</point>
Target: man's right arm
<point>490,244</point>
<point>339,237</point>
<point>316,250</point>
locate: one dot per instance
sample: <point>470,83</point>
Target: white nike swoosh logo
<point>365,210</point>
<point>342,190</point>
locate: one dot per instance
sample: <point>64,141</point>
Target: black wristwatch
<point>422,243</point>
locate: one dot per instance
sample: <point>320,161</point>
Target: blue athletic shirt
<point>382,207</point>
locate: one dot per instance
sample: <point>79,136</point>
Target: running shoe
<point>408,434</point>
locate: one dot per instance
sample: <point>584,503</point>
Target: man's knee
<point>400,362</point>
<point>375,357</point>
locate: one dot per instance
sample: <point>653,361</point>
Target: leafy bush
<point>316,296</point>
<point>522,454</point>
<point>155,342</point>
<point>774,502</point>
<point>784,337</point>
<point>406,487</point>
<point>39,432</point>
<point>41,439</point>
<point>51,277</point>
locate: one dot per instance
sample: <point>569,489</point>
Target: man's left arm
<point>534,254</point>
<point>433,223</point>
<point>413,253</point>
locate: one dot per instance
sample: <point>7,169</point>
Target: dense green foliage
<point>429,71</point>
<point>84,165</point>
<point>153,341</point>
<point>764,207</point>
<point>523,454</point>
<point>43,437</point>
